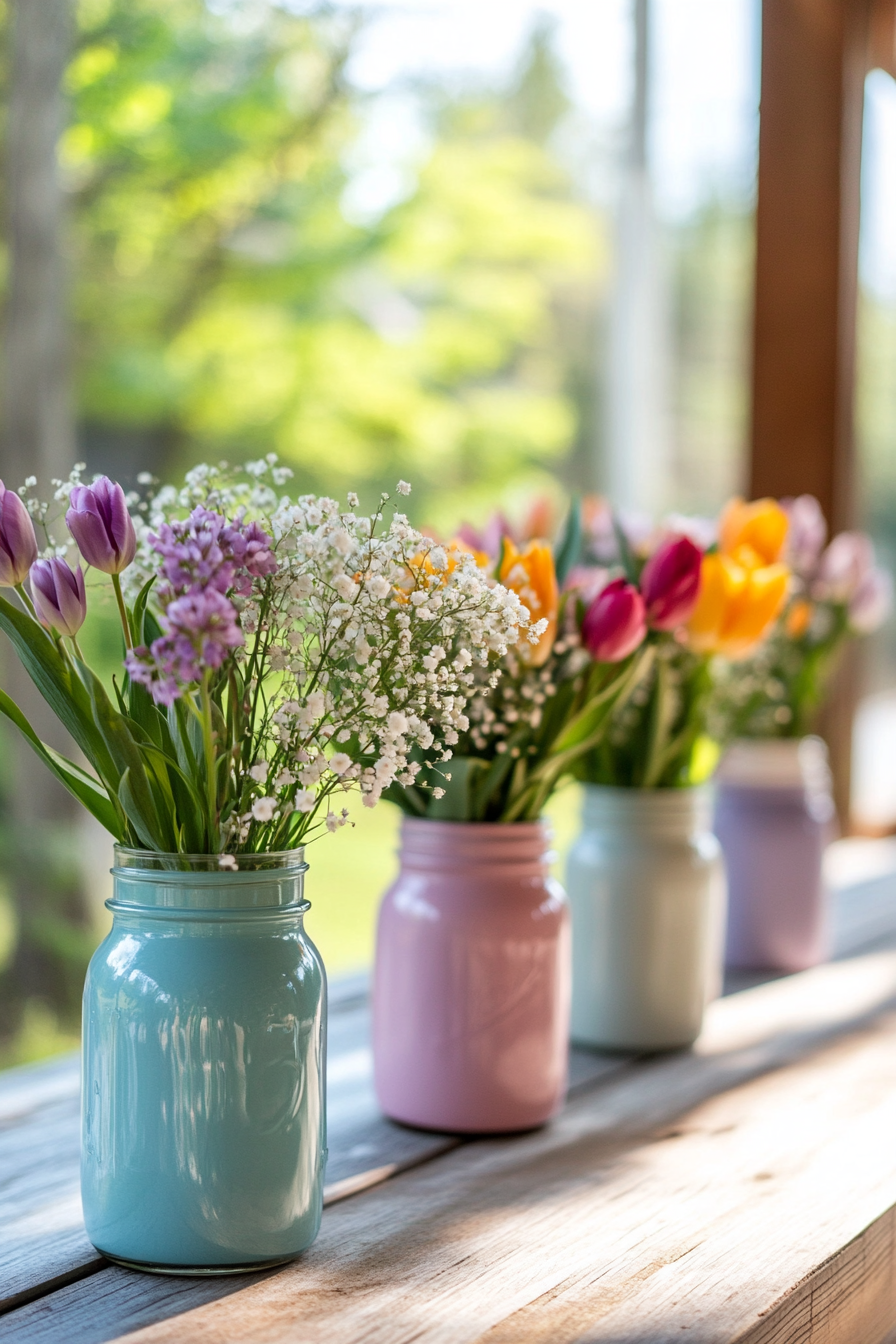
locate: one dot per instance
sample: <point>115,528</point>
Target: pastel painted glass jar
<point>647,893</point>
<point>204,1038</point>
<point>471,983</point>
<point>775,816</point>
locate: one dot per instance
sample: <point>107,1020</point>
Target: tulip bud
<point>615,623</point>
<point>101,525</point>
<point>18,544</point>
<point>58,595</point>
<point>670,583</point>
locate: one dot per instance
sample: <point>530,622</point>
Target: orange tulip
<point>530,574</point>
<point>798,618</point>
<point>753,534</point>
<point>736,606</point>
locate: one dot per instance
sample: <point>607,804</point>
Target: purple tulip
<point>101,525</point>
<point>59,596</point>
<point>670,583</point>
<point>806,534</point>
<point>18,544</point>
<point>615,623</point>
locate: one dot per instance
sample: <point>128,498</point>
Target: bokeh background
<point>461,243</point>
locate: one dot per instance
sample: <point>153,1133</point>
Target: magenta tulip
<point>615,623</point>
<point>101,525</point>
<point>670,583</point>
<point>58,594</point>
<point>18,544</point>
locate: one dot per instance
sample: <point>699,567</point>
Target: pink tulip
<point>18,544</point>
<point>871,602</point>
<point>489,537</point>
<point>586,581</point>
<point>843,567</point>
<point>670,583</point>
<point>615,623</point>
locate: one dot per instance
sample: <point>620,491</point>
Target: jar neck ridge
<point>661,813</point>
<point>196,886</point>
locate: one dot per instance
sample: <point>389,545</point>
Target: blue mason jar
<point>203,1141</point>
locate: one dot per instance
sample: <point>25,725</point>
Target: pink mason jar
<point>472,980</point>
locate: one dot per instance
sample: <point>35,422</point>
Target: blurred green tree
<point>225,304</point>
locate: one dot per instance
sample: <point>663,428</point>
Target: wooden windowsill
<point>742,1191</point>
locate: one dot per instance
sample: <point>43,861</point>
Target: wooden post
<point>815,55</point>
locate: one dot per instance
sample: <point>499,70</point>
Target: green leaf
<point>570,545</point>
<point>66,695</point>
<point>125,752</point>
<point>456,803</point>
<point>139,613</point>
<point>629,564</point>
<point>89,791</point>
<point>136,813</point>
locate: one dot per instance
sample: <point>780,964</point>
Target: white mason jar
<point>646,887</point>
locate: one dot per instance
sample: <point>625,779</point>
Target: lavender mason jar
<point>774,817</point>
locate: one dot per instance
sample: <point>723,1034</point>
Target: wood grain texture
<point>742,1192</point>
<point>43,1246</point>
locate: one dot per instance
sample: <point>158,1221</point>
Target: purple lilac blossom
<point>99,521</point>
<point>58,595</point>
<point>200,630</point>
<point>206,551</point>
<point>204,557</point>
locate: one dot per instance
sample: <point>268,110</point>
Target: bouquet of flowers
<point>686,600</point>
<point>836,592</point>
<point>278,653</point>
<point>555,696</point>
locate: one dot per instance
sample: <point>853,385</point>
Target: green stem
<point>76,648</point>
<point>209,745</point>
<point>29,605</point>
<point>123,612</point>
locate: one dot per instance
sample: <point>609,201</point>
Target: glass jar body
<point>775,817</point>
<point>647,894</point>
<point>203,1102</point>
<point>471,982</point>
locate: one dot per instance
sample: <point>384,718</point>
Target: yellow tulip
<point>737,605</point>
<point>753,534</point>
<point>531,575</point>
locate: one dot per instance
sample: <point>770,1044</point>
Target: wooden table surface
<point>742,1191</point>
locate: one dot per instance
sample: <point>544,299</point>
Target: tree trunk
<point>37,439</point>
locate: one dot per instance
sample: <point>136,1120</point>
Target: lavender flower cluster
<point>203,559</point>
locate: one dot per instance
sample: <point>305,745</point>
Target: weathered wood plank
<point>42,1242</point>
<point>42,1245</point>
<point>730,1194</point>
